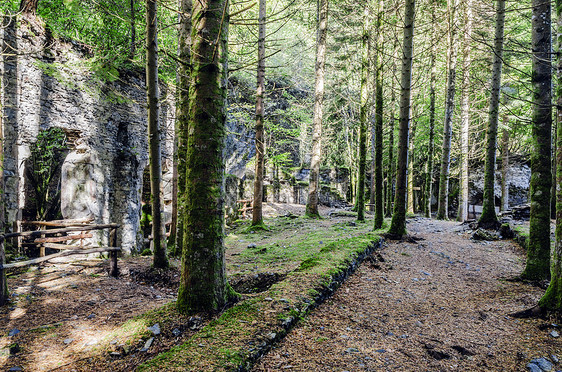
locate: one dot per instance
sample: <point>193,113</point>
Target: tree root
<point>534,312</point>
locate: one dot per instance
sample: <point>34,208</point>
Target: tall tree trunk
<point>431,141</point>
<point>29,6</point>
<point>442,208</point>
<point>488,219</point>
<point>257,218</point>
<point>465,114</point>
<point>505,167</point>
<point>556,124</point>
<point>203,284</point>
<point>391,163</point>
<point>3,281</point>
<point>398,223</point>
<point>321,36</point>
<point>364,114</point>
<point>132,47</point>
<point>378,176</point>
<point>182,119</point>
<point>411,151</point>
<point>538,252</point>
<point>552,299</point>
<point>153,97</point>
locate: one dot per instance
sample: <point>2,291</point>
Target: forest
<point>267,185</point>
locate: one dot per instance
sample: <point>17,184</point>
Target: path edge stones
<point>324,293</point>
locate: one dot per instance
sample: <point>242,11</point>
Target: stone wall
<point>48,83</point>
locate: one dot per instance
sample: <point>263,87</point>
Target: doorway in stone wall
<point>42,171</point>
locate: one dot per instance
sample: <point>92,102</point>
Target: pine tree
<point>203,285</point>
<point>552,299</point>
<point>257,217</point>
<point>153,97</point>
<point>488,219</point>
<point>321,37</point>
<point>182,123</point>
<point>442,208</point>
<point>538,251</point>
<point>398,224</point>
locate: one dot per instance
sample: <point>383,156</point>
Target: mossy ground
<point>297,256</point>
<point>309,252</point>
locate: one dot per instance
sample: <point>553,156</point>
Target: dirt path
<point>439,304</point>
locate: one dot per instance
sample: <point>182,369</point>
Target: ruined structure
<point>47,83</point>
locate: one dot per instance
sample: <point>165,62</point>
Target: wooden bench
<point>53,239</point>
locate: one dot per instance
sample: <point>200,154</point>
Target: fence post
<point>3,281</point>
<point>113,269</point>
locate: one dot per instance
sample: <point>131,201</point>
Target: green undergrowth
<point>521,236</point>
<point>311,254</point>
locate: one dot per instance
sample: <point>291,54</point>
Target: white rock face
<point>79,187</point>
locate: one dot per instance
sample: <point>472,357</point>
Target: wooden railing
<point>53,239</point>
<point>245,206</point>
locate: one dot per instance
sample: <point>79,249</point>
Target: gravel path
<point>438,304</point>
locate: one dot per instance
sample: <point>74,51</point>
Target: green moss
<point>146,252</point>
<point>308,263</point>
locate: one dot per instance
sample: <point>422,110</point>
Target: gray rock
<point>68,341</point>
<point>176,332</point>
<point>252,245</point>
<point>380,351</point>
<point>284,300</point>
<point>155,329</point>
<point>115,354</point>
<point>554,358</point>
<point>543,363</point>
<point>532,367</point>
<point>351,350</point>
<point>147,344</point>
<point>91,316</point>
<point>287,322</point>
<point>554,334</point>
<point>13,332</point>
<point>268,299</point>
<point>15,369</point>
<point>272,336</point>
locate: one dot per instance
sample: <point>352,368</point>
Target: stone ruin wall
<point>48,84</point>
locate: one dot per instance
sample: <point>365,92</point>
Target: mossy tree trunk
<point>552,299</point>
<point>410,184</point>
<point>321,37</point>
<point>3,280</point>
<point>465,113</point>
<point>431,141</point>
<point>203,284</point>
<point>29,6</point>
<point>153,97</point>
<point>391,168</point>
<point>554,165</point>
<point>182,120</point>
<point>379,110</point>
<point>443,199</point>
<point>257,217</point>
<point>398,223</point>
<point>505,166</point>
<point>488,219</point>
<point>538,252</point>
<point>364,113</point>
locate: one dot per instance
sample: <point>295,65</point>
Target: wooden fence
<point>64,231</point>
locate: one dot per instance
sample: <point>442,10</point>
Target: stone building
<point>47,83</point>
